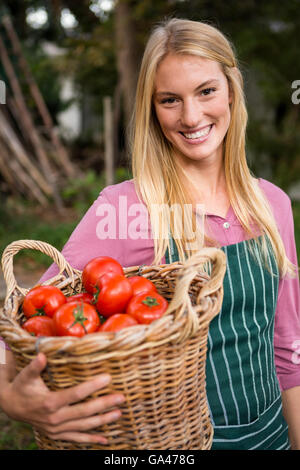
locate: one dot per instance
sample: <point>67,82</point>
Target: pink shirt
<point>108,217</point>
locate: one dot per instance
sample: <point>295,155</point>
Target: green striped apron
<point>242,387</point>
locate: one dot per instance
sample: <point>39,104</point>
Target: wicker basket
<point>160,367</point>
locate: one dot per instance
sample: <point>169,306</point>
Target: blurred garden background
<point>68,71</point>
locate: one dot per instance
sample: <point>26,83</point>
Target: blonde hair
<point>156,176</point>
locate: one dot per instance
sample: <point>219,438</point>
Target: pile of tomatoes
<point>110,302</point>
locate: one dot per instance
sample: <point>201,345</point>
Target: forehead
<point>186,70</point>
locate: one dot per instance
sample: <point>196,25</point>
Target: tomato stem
<point>150,301</point>
<point>40,312</point>
<point>79,317</point>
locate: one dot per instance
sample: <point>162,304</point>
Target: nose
<point>191,114</point>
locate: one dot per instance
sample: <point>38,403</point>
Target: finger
<point>34,368</point>
<point>89,408</point>
<point>85,424</point>
<point>81,391</point>
<point>83,438</point>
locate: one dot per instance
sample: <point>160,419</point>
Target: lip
<point>192,131</point>
<point>200,139</point>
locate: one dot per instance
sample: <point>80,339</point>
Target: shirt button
<point>226,225</point>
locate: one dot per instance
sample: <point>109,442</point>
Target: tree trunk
<point>29,125</point>
<point>128,57</point>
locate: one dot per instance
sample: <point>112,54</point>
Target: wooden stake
<point>18,152</point>
<point>24,183</point>
<point>109,141</point>
<point>61,152</point>
<point>28,124</point>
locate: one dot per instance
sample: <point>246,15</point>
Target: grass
<point>15,435</point>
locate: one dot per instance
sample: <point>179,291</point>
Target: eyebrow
<point>207,82</point>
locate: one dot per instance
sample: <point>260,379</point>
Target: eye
<point>208,91</point>
<point>168,100</point>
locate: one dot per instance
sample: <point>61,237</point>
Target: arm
<point>291,411</point>
<point>116,225</point>
<point>87,240</point>
<point>287,338</point>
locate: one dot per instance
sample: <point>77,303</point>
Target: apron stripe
<point>266,329</point>
<point>272,263</point>
<point>248,335</point>
<point>218,389</point>
<point>269,437</point>
<point>258,328</point>
<point>268,431</point>
<point>236,342</point>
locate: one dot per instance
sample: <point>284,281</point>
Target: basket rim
<point>180,321</point>
<point>131,339</point>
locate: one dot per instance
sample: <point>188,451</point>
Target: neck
<point>205,180</point>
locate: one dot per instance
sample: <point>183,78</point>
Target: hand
<point>27,398</point>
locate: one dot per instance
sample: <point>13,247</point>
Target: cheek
<point>222,111</point>
<point>166,119</point>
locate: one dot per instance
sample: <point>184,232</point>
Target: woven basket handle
<point>13,248</point>
<point>210,295</point>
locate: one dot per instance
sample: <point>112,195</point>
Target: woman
<point>188,152</point>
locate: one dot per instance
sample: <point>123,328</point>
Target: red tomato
<point>84,296</point>
<point>114,293</point>
<point>147,307</point>
<point>117,322</point>
<point>43,300</point>
<point>40,326</point>
<point>76,319</point>
<point>95,268</point>
<point>140,285</point>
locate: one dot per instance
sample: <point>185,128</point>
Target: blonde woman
<point>191,187</point>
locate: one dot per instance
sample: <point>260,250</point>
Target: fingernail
<point>105,379</point>
<point>116,414</point>
<point>120,399</point>
<point>102,440</point>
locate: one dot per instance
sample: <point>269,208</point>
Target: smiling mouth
<point>197,135</point>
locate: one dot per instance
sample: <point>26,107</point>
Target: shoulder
<point>278,199</point>
<point>113,192</point>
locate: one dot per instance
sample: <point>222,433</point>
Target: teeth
<point>197,135</point>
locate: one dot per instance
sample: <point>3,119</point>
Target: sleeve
<point>95,235</point>
<point>287,317</point>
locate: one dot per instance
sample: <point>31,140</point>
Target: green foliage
<point>91,60</point>
<point>82,192</point>
<point>264,35</point>
<point>46,74</point>
<point>19,221</point>
<point>16,436</point>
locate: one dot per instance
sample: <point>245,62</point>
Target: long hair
<point>158,180</point>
